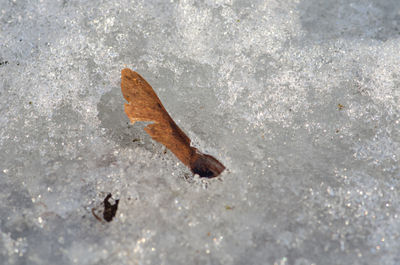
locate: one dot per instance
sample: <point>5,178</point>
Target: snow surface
<point>299,99</point>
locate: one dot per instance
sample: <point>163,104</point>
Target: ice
<point>299,99</point>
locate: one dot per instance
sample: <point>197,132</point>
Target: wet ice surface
<point>299,99</point>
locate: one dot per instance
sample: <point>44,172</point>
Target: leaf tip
<point>206,166</point>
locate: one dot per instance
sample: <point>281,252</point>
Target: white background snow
<point>299,99</point>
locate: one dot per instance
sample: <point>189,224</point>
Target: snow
<point>299,99</point>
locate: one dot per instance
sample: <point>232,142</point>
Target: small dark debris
<point>109,210</point>
<point>135,140</point>
<point>340,106</point>
<point>187,177</point>
<point>337,131</point>
<point>30,102</point>
<point>95,215</point>
<point>3,63</point>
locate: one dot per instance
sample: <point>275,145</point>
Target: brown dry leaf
<point>144,105</point>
